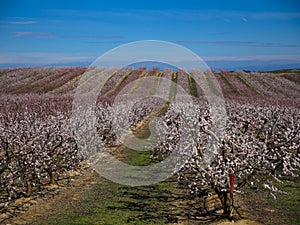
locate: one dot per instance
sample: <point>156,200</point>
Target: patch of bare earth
<point>66,197</point>
<point>252,209</point>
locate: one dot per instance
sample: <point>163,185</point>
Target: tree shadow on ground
<point>158,203</point>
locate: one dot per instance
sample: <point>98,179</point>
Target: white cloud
<point>50,35</point>
<point>292,58</point>
<point>245,19</point>
<point>42,58</point>
<point>22,34</point>
<point>238,43</point>
<point>22,22</point>
<point>185,14</point>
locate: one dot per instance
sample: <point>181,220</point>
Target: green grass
<point>248,85</point>
<point>192,86</point>
<point>268,86</point>
<point>173,87</point>
<point>111,203</point>
<point>118,84</point>
<point>230,85</point>
<point>283,71</point>
<point>156,84</point>
<point>288,204</point>
<point>211,85</point>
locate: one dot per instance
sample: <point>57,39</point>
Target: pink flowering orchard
<point>260,139</point>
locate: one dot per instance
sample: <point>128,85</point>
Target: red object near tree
<point>231,185</point>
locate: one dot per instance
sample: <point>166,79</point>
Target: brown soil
<point>67,197</point>
<point>253,210</point>
<point>251,206</point>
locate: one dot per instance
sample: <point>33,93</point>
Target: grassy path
<point>100,201</point>
<point>112,203</point>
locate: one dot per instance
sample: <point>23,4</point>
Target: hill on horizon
<point>64,80</point>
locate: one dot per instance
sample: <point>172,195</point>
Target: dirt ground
<point>252,209</point>
<point>65,198</point>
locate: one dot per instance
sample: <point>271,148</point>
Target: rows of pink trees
<point>37,80</point>
<point>38,143</point>
<point>37,139</point>
<point>34,151</point>
<point>261,143</point>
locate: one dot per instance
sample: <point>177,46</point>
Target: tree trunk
<point>53,177</point>
<point>29,189</point>
<point>227,204</point>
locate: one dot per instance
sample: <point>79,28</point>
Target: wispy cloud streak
<point>49,35</point>
<point>292,58</point>
<point>22,22</point>
<point>18,21</point>
<point>183,14</point>
<point>238,43</point>
<point>43,58</point>
<point>30,34</point>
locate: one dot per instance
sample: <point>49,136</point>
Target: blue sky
<point>231,34</point>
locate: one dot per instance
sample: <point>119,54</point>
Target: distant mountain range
<point>249,65</point>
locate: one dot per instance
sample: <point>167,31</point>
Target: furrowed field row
<point>233,89</point>
<point>238,82</point>
<point>39,82</point>
<point>121,82</point>
<point>138,82</point>
<point>37,142</point>
<point>68,80</point>
<point>272,91</point>
<point>47,85</point>
<point>87,80</point>
<point>24,77</point>
<point>13,76</point>
<point>282,85</point>
<point>255,83</point>
<point>68,86</point>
